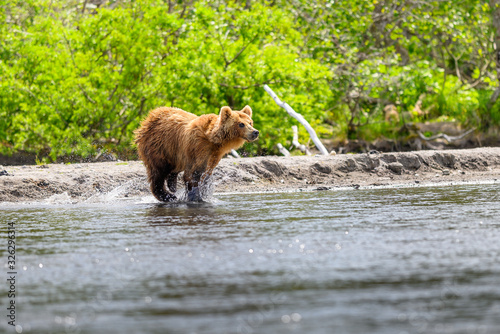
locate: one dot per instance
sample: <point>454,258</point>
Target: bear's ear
<point>225,113</point>
<point>247,110</point>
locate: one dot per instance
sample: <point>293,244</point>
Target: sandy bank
<point>128,179</point>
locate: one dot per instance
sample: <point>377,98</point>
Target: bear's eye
<point>242,125</point>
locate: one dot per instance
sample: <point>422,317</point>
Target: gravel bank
<point>87,181</point>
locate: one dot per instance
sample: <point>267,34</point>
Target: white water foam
<point>205,193</point>
<point>119,193</point>
<point>63,198</point>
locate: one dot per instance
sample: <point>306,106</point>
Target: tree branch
<point>446,137</point>
<point>240,52</point>
<point>299,118</point>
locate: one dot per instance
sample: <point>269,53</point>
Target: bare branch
<point>449,139</point>
<point>283,150</point>
<point>299,118</point>
<point>295,141</point>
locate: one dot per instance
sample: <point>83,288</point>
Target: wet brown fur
<point>171,140</point>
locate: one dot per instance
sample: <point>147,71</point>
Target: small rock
<point>417,181</point>
<point>274,167</point>
<point>42,183</point>
<point>325,169</point>
<point>349,165</point>
<point>445,159</point>
<point>396,167</point>
<point>446,172</point>
<point>3,173</point>
<point>388,158</point>
<point>322,188</point>
<point>410,161</point>
<point>356,186</point>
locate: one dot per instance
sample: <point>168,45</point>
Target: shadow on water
<point>184,213</point>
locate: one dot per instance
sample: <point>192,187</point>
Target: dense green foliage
<point>76,77</point>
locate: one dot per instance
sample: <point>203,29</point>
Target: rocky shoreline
<point>124,179</point>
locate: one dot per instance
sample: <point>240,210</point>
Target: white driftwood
<point>449,139</point>
<point>235,154</point>
<point>295,141</point>
<point>283,150</point>
<point>299,118</point>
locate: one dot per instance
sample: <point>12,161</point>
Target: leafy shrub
<point>78,80</point>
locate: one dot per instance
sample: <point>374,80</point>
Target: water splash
<point>63,198</point>
<point>116,194</point>
<point>203,193</point>
<point>135,191</point>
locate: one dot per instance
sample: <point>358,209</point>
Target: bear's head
<point>238,124</point>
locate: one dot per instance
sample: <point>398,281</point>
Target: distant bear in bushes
<point>171,140</point>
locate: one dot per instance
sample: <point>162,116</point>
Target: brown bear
<point>171,140</point>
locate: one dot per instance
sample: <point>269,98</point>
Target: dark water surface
<point>407,260</point>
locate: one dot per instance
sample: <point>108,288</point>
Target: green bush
<point>75,80</point>
<point>76,83</point>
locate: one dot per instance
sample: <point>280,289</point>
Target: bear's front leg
<point>192,181</point>
<point>199,178</point>
<point>194,195</point>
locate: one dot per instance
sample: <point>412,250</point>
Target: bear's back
<point>172,114</point>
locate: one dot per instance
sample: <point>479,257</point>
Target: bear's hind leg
<point>157,181</point>
<point>172,182</point>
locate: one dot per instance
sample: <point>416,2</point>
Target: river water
<point>404,260</point>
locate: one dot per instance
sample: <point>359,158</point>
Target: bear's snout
<point>255,135</point>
